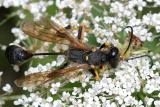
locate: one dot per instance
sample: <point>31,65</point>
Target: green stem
<point>8,18</point>
<point>10,97</point>
<point>65,89</point>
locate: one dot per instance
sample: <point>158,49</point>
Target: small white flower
<point>149,101</point>
<point>65,96</point>
<point>53,63</point>
<point>57,103</point>
<point>156,19</point>
<point>97,18</point>
<point>108,20</point>
<point>49,99</point>
<point>76,91</point>
<point>3,47</point>
<point>134,21</point>
<point>60,60</point>
<point>55,87</point>
<point>1,73</point>
<point>158,29</point>
<point>7,88</point>
<point>141,4</point>
<point>18,33</point>
<point>157,103</point>
<point>22,15</point>
<point>16,68</point>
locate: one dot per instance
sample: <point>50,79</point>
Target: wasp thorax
<point>16,54</point>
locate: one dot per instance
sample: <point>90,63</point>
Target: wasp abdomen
<point>16,54</point>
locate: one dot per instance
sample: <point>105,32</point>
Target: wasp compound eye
<point>16,54</point>
<point>113,57</point>
<point>114,52</point>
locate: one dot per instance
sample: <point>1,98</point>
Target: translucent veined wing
<point>50,31</point>
<point>39,78</point>
<point>136,42</point>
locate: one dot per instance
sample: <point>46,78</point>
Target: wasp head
<point>113,56</point>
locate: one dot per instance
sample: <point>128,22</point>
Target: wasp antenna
<point>130,41</point>
<point>151,60</point>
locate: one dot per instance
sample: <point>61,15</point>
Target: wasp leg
<point>101,68</point>
<point>82,28</point>
<point>150,58</point>
<point>94,72</point>
<point>68,27</point>
<point>104,45</point>
<point>122,56</point>
<point>80,33</point>
<point>94,49</point>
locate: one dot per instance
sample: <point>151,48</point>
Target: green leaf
<point>152,46</point>
<point>97,10</point>
<point>67,11</point>
<point>52,10</point>
<point>121,36</point>
<point>139,95</point>
<point>71,85</point>
<point>92,41</point>
<point>43,61</point>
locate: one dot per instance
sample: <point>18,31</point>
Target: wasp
<point>79,53</point>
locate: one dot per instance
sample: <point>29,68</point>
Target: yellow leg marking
<point>123,57</point>
<point>106,44</point>
<point>86,29</point>
<point>97,75</point>
<point>95,72</point>
<point>101,68</point>
<point>93,49</point>
<point>86,58</point>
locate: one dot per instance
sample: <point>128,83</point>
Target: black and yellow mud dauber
<point>82,56</point>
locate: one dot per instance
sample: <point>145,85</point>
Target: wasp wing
<point>50,31</point>
<point>39,78</point>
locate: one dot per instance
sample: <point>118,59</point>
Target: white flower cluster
<point>108,90</point>
<point>126,11</point>
<point>36,100</point>
<point>15,3</point>
<point>35,8</point>
<point>33,100</point>
<point>43,68</point>
<point>38,8</point>
<point>19,35</point>
<point>152,20</point>
<point>78,8</point>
